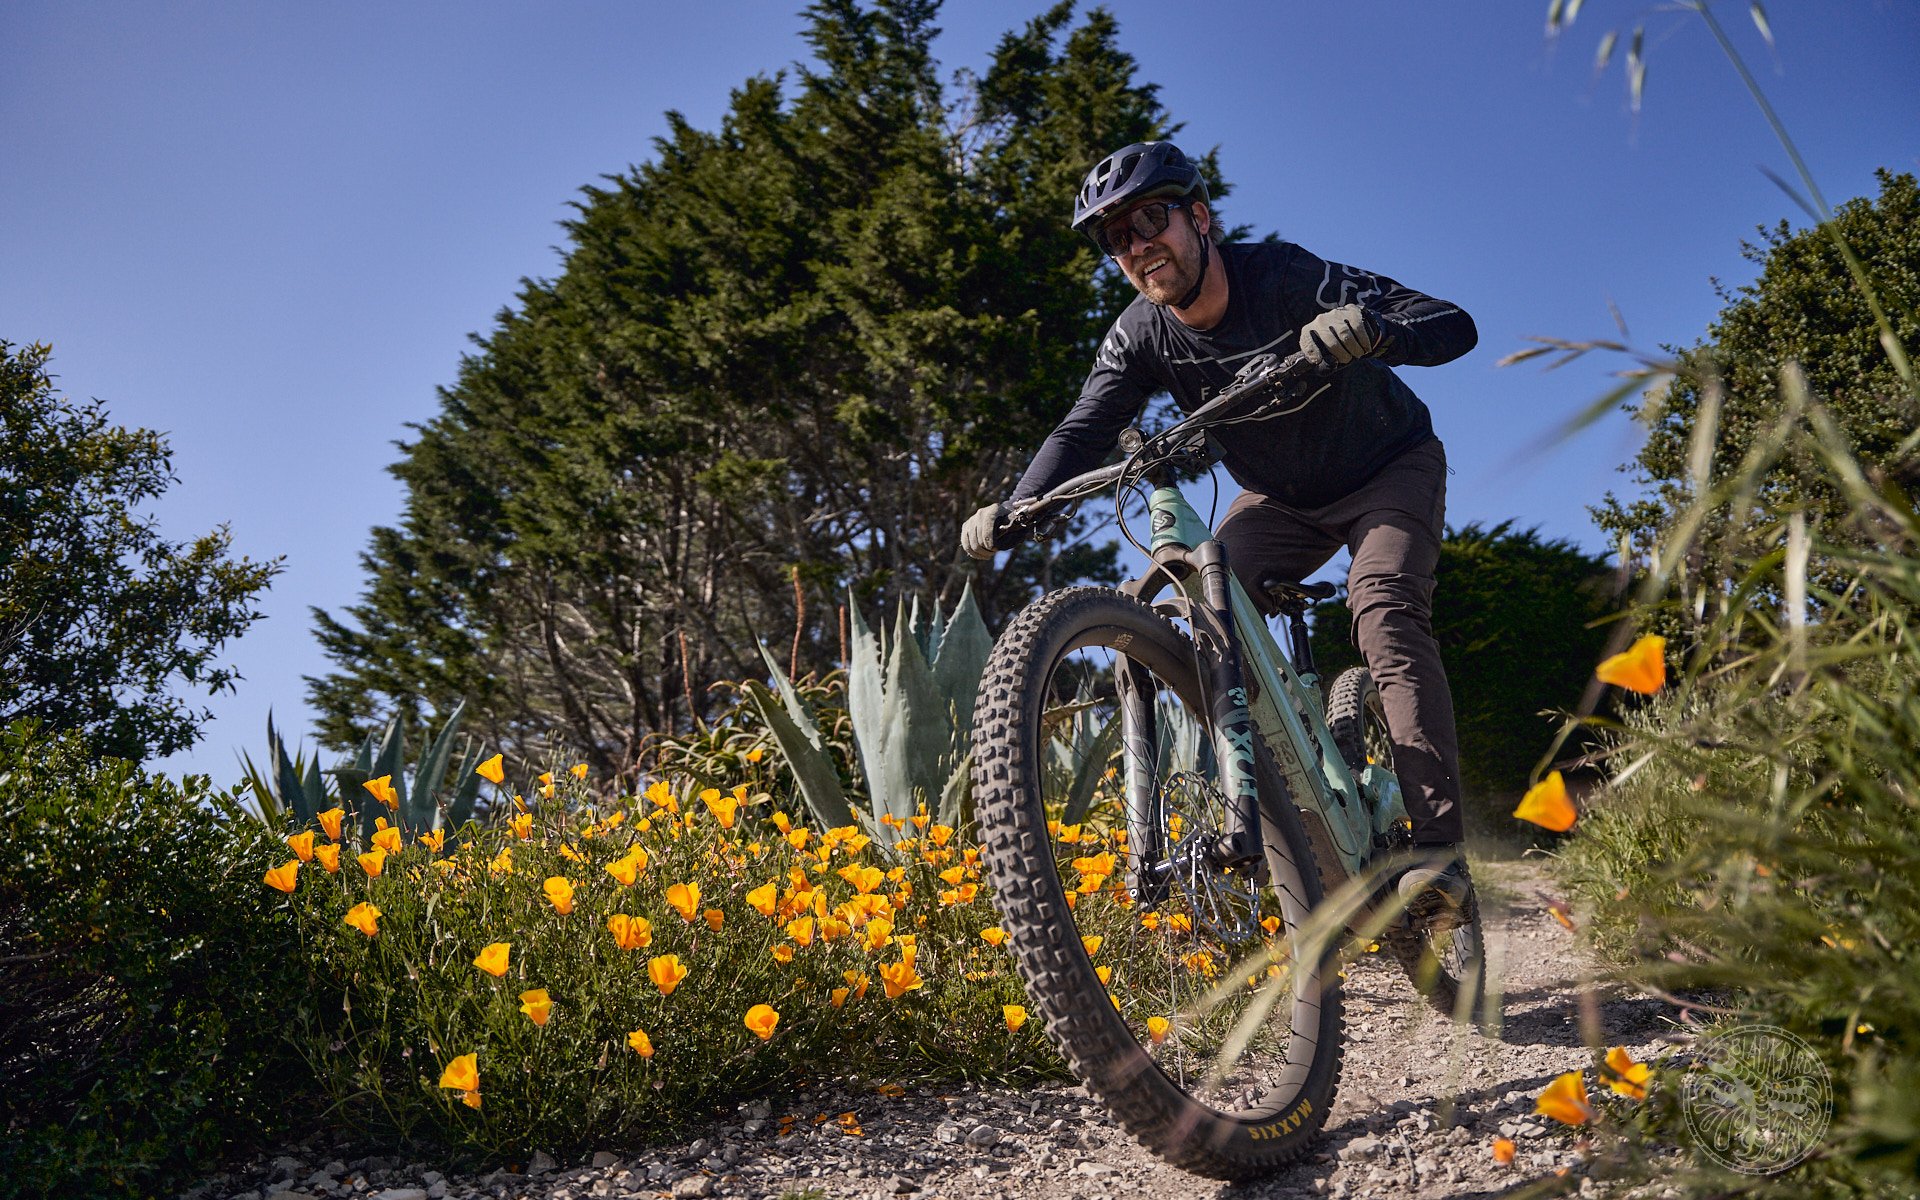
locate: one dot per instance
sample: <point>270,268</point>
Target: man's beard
<point>1170,282</point>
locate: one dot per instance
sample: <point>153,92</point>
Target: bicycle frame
<point>1253,690</point>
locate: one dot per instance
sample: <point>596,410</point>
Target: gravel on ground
<point>1392,1131</point>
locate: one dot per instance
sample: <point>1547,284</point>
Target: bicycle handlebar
<point>1263,375</point>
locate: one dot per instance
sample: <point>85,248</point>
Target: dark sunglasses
<point>1146,222</point>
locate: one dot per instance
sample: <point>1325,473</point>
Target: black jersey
<point>1353,423</point>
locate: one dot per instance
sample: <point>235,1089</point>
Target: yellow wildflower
<point>666,972</point>
<point>1565,1100</point>
<point>993,935</point>
<point>462,1074</point>
<point>328,857</point>
<point>537,1005</point>
<point>373,862</point>
<point>364,917</point>
<point>493,958</point>
<point>630,933</point>
<point>330,821</point>
<point>1641,668</point>
<point>641,1043</point>
<point>900,978</point>
<point>685,899</point>
<point>285,876</point>
<point>1630,1077</point>
<point>388,840</point>
<point>1015,1016</point>
<point>559,892</point>
<point>492,771</point>
<point>1546,805</point>
<point>761,1019</point>
<point>383,790</point>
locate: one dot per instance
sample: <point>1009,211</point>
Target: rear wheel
<point>1446,962</point>
<point>1185,1009</point>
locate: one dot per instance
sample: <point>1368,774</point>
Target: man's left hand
<point>1339,336</point>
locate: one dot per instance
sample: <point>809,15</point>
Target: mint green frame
<point>1351,811</point>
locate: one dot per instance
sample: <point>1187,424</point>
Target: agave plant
<point>296,790</point>
<point>911,697</point>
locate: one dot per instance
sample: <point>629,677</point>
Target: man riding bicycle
<point>1357,466</point>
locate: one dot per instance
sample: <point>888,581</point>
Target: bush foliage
<point>104,624</point>
<point>144,977</point>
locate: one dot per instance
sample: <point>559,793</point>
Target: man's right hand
<point>981,537</point>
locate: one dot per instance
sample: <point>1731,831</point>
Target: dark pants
<point>1392,526</point>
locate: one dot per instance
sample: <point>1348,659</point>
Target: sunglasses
<point>1145,223</point>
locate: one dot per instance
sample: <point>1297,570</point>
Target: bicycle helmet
<point>1142,171</point>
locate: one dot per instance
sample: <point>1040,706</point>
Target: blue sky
<point>269,229</point>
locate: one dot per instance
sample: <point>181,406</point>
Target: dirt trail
<point>1384,1137</point>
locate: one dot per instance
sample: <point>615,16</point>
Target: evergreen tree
<point>1804,309</point>
<point>812,340</point>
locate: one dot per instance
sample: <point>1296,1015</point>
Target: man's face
<point>1163,267</point>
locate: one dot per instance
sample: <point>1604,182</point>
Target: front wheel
<point>1179,1002</point>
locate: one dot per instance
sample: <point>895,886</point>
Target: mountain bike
<point>1179,915</point>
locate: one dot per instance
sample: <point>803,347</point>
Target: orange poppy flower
<point>492,771</point>
<point>630,933</point>
<point>522,825</point>
<point>1503,1150</point>
<point>764,898</point>
<point>641,1043</point>
<point>434,839</point>
<point>715,919</point>
<point>1157,1028</point>
<point>559,892</point>
<point>388,840</point>
<point>838,997</point>
<point>285,876</point>
<point>364,917</point>
<point>578,770</point>
<point>330,821</point>
<point>900,978</point>
<point>685,899</point>
<point>801,930</point>
<point>993,935</point>
<point>382,790</point>
<point>1642,667</point>
<point>1015,1016</point>
<point>462,1074</point>
<point>302,845</point>
<point>328,857</point>
<point>1546,804</point>
<point>1565,1100</point>
<point>1630,1077</point>
<point>858,981</point>
<point>782,953</point>
<point>537,1005</point>
<point>373,862</point>
<point>666,972</point>
<point>493,959</point>
<point>762,1018</point>
<point>723,808</point>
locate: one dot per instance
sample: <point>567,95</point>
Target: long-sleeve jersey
<point>1354,422</point>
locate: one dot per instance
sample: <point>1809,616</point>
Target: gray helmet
<point>1137,172</point>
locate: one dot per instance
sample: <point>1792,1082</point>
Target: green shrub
<point>144,978</point>
<point>1762,838</point>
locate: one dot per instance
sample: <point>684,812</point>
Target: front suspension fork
<point>1238,847</point>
